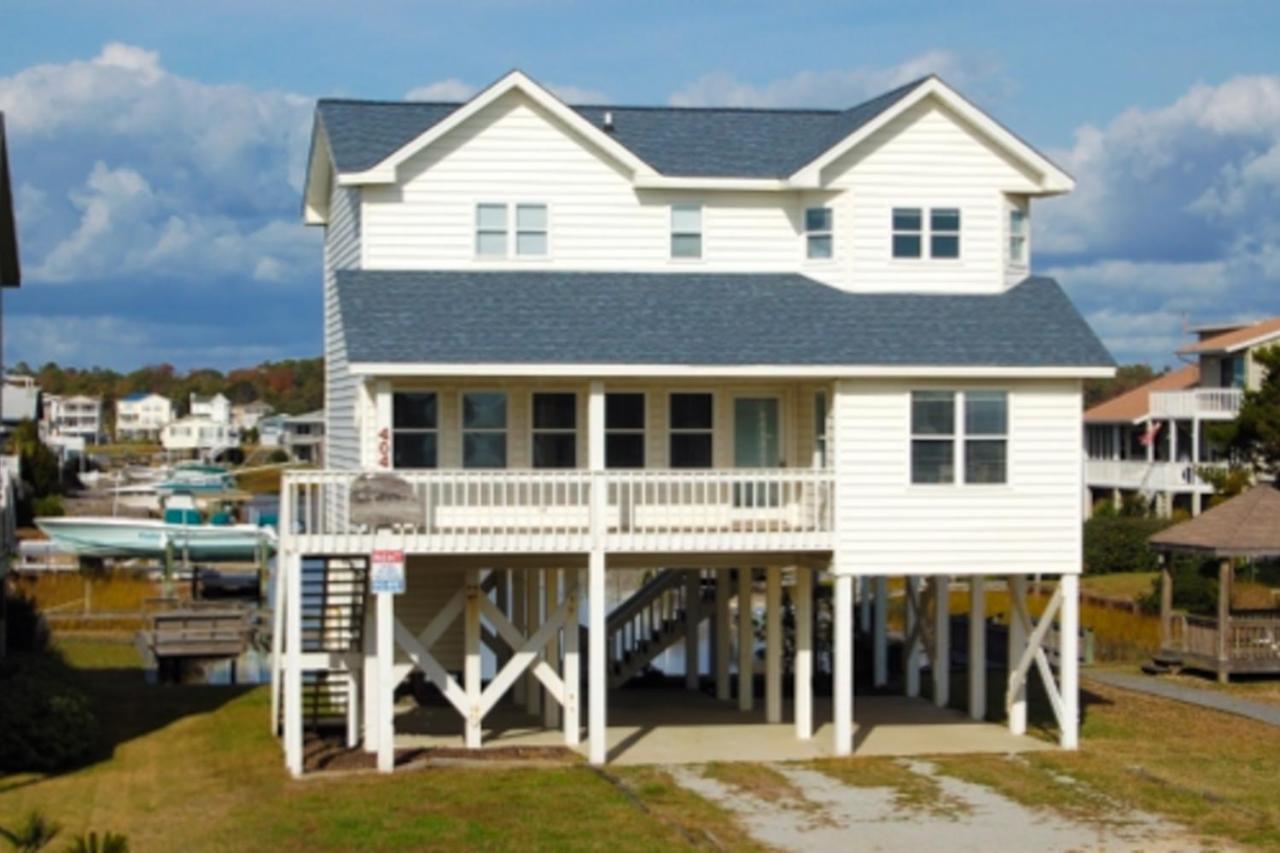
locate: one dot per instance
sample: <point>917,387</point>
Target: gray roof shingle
<point>705,319</point>
<point>680,141</point>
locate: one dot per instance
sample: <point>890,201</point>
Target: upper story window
<point>484,429</point>
<point>690,427</point>
<point>555,430</point>
<point>414,429</point>
<point>491,230</point>
<point>938,438</point>
<point>686,231</point>
<point>624,430</point>
<point>1017,236</point>
<point>910,236</point>
<point>817,233</point>
<point>531,230</point>
<point>820,429</point>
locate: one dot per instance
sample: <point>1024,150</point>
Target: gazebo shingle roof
<point>1248,525</point>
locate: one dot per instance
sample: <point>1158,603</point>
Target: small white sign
<point>386,572</point>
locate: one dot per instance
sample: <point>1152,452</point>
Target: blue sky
<point>157,148</point>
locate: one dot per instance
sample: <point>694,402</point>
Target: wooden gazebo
<point>1244,527</point>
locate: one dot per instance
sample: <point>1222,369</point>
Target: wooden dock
<point>200,633</point>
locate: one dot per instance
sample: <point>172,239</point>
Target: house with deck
<point>1155,440</point>
<point>720,350</point>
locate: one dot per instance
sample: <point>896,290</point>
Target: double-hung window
<point>686,231</point>
<point>484,429</point>
<point>690,427</point>
<point>414,429</point>
<point>531,230</point>
<point>555,430</point>
<point>944,232</point>
<point>624,430</point>
<point>1017,237</point>
<point>491,230</point>
<point>818,233</point>
<point>908,228</point>
<point>910,235</point>
<point>979,439</point>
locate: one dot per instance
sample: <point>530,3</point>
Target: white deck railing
<point>553,511</point>
<point>1199,402</point>
<point>1145,476</point>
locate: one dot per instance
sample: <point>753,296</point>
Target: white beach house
<point>141,415</point>
<point>716,344</point>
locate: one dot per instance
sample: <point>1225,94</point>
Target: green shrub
<point>1195,587</point>
<point>48,725</point>
<point>277,456</point>
<point>1119,544</point>
<point>48,506</point>
<point>24,628</point>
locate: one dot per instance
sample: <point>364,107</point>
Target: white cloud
<point>842,87</point>
<point>453,89</point>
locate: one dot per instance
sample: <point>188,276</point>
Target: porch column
<point>533,619</point>
<point>1017,642</point>
<point>597,734</point>
<point>910,650</point>
<point>977,648</point>
<point>501,596</point>
<point>471,665</point>
<point>941,641</point>
<point>518,690</point>
<point>572,677</point>
<point>386,682</point>
<point>746,643</point>
<point>773,644</point>
<point>723,629</point>
<point>551,603</point>
<point>1195,459</point>
<point>1069,661</point>
<point>803,592</point>
<point>370,675</point>
<point>1166,605</point>
<point>1224,620</point>
<point>880,633</point>
<point>843,676</point>
<point>692,616</point>
<point>293,663</point>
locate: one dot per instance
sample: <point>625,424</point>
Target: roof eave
<point>535,369</point>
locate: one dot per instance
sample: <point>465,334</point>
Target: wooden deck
<point>1250,643</point>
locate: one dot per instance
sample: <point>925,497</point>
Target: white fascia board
<point>675,182</point>
<point>320,172</point>
<point>385,171</point>
<point>1053,180</point>
<point>366,368</point>
<point>1253,342</point>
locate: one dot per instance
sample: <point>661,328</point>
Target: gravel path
<point>1215,700</point>
<point>967,817</point>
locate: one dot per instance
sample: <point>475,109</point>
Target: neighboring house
<point>271,430</point>
<point>141,416</point>
<point>573,340</point>
<point>200,436</point>
<point>19,401</point>
<point>72,416</point>
<point>216,408</point>
<point>303,437</point>
<point>247,416</point>
<point>1152,441</point>
<point>10,276</point>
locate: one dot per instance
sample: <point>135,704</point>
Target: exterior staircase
<point>653,619</point>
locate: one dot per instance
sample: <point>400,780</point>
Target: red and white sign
<point>386,572</point>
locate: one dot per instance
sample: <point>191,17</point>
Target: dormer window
<point>531,229</point>
<point>493,221</point>
<point>1017,237</point>
<point>491,230</point>
<point>686,231</point>
<point>944,232</point>
<point>817,230</point>
<point>942,237</point>
<point>907,232</point>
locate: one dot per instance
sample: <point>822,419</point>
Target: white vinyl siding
<point>887,525</point>
<point>341,251</point>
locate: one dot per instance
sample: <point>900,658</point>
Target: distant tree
<point>1254,436</point>
<point>1128,377</point>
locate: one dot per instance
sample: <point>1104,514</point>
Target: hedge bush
<point>48,724</point>
<point>1119,544</point>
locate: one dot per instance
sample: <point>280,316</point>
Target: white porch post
<point>723,630</point>
<point>692,617</point>
<point>533,619</point>
<point>471,665</point>
<point>353,708</point>
<point>941,641</point>
<point>386,682</point>
<point>550,604</point>
<point>1195,459</point>
<point>598,747</point>
<point>372,723</point>
<point>843,681</point>
<point>746,643</point>
<point>293,663</point>
<point>1068,661</point>
<point>910,650</point>
<point>977,648</point>
<point>803,591</point>
<point>1017,642</point>
<point>572,677</point>
<point>518,689</point>
<point>773,645</point>
<point>880,633</point>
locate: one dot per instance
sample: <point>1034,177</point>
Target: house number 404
<point>384,448</point>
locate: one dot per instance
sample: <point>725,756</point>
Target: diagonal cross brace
<point>417,650</point>
<point>525,655</point>
<point>1034,651</point>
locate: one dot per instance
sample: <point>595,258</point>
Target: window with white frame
<point>820,428</point>
<point>555,430</point>
<point>1017,236</point>
<point>979,439</point>
<point>908,232</point>
<point>913,231</point>
<point>690,425</point>
<point>624,430</point>
<point>484,429</point>
<point>491,230</point>
<point>531,230</point>
<point>819,243</point>
<point>686,231</point>
<point>944,232</point>
<point>414,429</point>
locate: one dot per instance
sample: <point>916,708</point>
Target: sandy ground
<point>835,816</point>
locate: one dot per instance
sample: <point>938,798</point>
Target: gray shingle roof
<point>692,142</point>
<point>706,319</point>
